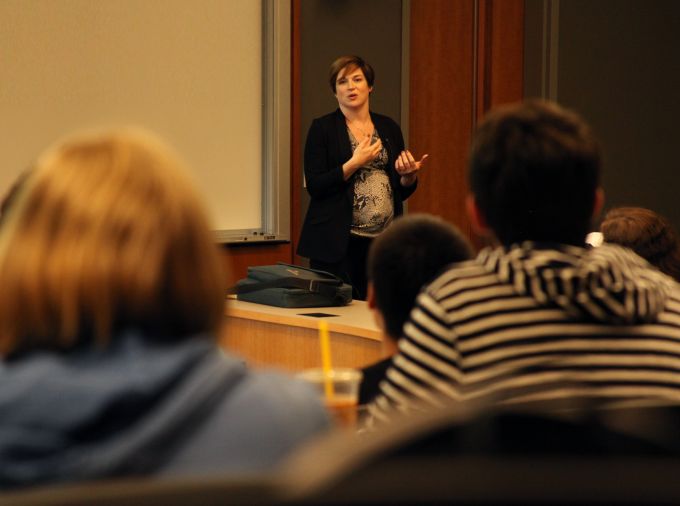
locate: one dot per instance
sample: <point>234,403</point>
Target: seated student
<point>539,316</point>
<point>409,254</point>
<point>111,295</point>
<point>647,233</point>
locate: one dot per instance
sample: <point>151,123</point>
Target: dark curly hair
<point>647,233</point>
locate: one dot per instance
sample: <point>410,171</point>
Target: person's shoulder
<point>325,124</point>
<point>377,368</point>
<point>261,418</point>
<point>372,375</point>
<point>455,275</point>
<point>452,288</point>
<point>384,120</point>
<point>281,399</point>
<point>329,118</point>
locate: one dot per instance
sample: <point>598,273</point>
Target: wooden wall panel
<point>466,57</point>
<point>441,106</point>
<point>500,75</point>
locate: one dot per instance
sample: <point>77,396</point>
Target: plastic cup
<point>344,401</point>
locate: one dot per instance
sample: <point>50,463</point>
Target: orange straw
<point>326,358</point>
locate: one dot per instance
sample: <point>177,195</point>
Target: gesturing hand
<point>407,167</point>
<point>365,151</point>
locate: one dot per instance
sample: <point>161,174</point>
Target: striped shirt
<point>594,323</point>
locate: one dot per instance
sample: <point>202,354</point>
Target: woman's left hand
<point>407,167</point>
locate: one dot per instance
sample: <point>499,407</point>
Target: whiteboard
<point>210,76</point>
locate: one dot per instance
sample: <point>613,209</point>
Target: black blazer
<point>325,231</point>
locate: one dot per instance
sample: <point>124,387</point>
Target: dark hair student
<point>402,260</point>
<point>647,233</point>
<point>534,174</point>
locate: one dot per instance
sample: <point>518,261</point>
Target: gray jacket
<point>139,407</point>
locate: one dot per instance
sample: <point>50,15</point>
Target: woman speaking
<point>357,173</point>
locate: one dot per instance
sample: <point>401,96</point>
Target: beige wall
<point>188,70</point>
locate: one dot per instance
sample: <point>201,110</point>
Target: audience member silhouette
<point>647,233</point>
<point>111,298</point>
<point>404,258</point>
<point>540,316</point>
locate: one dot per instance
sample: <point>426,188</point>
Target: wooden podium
<point>288,337</point>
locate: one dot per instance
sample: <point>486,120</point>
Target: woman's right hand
<point>364,153</point>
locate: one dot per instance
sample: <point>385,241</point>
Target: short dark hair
<point>407,256</point>
<point>647,233</point>
<point>351,61</point>
<point>534,172</point>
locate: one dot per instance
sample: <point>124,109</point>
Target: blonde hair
<point>108,234</point>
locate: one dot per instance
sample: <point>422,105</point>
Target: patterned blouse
<point>373,208</point>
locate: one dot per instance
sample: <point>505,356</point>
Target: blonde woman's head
<point>107,234</point>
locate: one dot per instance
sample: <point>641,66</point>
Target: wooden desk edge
<point>308,322</point>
